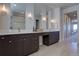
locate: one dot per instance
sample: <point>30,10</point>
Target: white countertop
<point>10,32</point>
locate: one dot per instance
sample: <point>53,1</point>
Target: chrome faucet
<point>18,29</point>
<point>34,28</point>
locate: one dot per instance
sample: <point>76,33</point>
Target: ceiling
<point>22,6</point>
<point>62,5</point>
<point>40,6</point>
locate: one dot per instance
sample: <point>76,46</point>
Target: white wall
<point>56,17</point>
<point>53,14</point>
<point>61,25</point>
<point>5,18</point>
<point>67,10</point>
<point>29,22</point>
<point>43,14</point>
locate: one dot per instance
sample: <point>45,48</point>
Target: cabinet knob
<point>2,38</point>
<point>10,41</point>
<point>24,39</point>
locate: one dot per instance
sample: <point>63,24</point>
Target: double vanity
<point>23,25</point>
<point>23,44</point>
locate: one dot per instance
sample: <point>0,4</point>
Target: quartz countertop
<point>10,32</point>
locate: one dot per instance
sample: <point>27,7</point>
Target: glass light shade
<point>53,21</point>
<point>29,15</point>
<point>4,9</point>
<point>44,18</point>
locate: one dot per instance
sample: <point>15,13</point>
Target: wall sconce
<point>14,4</point>
<point>44,18</point>
<point>4,10</point>
<point>52,21</point>
<point>29,15</point>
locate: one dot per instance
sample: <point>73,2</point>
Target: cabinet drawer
<point>8,37</point>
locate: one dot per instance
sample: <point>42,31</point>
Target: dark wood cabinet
<point>46,39</point>
<point>7,46</point>
<point>32,42</point>
<point>51,38</point>
<point>25,44</point>
<point>18,45</point>
<point>11,45</point>
<point>35,43</point>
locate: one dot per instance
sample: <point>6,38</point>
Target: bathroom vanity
<point>22,26</point>
<point>23,44</point>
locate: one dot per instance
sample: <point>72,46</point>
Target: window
<point>74,27</point>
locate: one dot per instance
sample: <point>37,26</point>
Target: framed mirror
<point>17,17</point>
<point>17,20</point>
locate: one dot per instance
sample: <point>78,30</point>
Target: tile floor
<point>65,48</point>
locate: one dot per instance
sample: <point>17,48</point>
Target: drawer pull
<point>10,41</point>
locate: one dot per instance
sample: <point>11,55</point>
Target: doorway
<point>71,26</point>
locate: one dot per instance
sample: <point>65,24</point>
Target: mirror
<point>18,16</point>
<point>25,17</point>
<point>17,20</point>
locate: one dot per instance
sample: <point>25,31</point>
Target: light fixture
<point>14,4</point>
<point>44,18</point>
<point>29,15</point>
<point>53,21</point>
<point>4,9</point>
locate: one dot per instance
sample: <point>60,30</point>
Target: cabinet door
<point>11,46</point>
<point>31,44</point>
<point>19,45</point>
<point>0,47</point>
<point>35,42</point>
<point>54,37</point>
<point>27,44</point>
<point>16,46</point>
<point>7,46</point>
<point>2,41</point>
